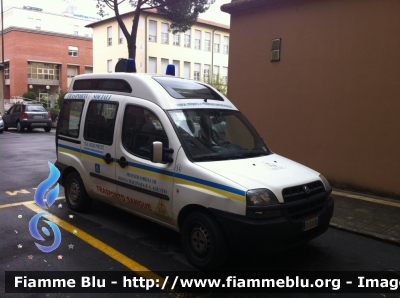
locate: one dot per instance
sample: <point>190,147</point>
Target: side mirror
<point>157,153</point>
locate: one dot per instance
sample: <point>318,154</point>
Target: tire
<point>47,129</point>
<point>75,193</point>
<point>5,127</point>
<point>29,129</point>
<point>204,242</point>
<point>20,128</point>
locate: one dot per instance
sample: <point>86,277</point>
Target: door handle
<point>108,159</point>
<point>122,162</point>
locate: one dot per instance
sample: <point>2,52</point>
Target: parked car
<point>27,115</point>
<point>1,125</point>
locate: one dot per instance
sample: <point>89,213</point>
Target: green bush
<point>29,95</point>
<point>60,99</point>
<point>54,113</point>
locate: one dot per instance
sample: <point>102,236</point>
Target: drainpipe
<point>145,44</point>
<point>2,67</point>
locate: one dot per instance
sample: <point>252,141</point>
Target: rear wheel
<point>203,241</point>
<point>75,193</point>
<point>20,128</point>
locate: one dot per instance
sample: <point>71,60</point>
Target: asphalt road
<point>107,239</point>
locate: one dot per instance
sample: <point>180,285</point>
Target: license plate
<point>39,124</point>
<point>311,223</point>
<point>37,117</point>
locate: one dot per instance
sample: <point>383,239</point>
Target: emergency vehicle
<point>179,153</point>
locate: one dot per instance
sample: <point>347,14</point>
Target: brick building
<point>42,56</point>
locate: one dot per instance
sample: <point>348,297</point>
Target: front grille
<point>307,210</point>
<point>298,192</point>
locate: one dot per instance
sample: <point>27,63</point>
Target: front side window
<point>100,122</point>
<point>70,117</point>
<point>141,127</point>
<point>211,134</point>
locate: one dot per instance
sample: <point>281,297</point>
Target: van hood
<point>274,172</point>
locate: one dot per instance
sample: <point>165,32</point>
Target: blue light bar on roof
<point>170,70</point>
<point>130,65</point>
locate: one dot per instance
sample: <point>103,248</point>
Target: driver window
<point>141,127</point>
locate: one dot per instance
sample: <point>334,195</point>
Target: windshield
<point>210,134</point>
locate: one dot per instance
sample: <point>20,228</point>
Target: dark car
<point>27,115</point>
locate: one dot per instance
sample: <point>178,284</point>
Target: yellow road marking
<point>108,250</point>
<point>14,193</point>
<point>22,203</point>
<point>358,197</point>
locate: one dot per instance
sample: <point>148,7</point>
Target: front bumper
<point>246,234</point>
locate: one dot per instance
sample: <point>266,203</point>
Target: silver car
<point>27,115</point>
<point>1,125</point>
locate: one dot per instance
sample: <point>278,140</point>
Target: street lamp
<point>47,87</point>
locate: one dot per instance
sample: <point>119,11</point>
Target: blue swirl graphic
<point>45,185</point>
<point>35,233</point>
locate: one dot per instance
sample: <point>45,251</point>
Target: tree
<point>181,13</point>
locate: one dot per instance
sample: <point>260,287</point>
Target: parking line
<point>23,203</point>
<point>108,250</point>
<point>358,197</point>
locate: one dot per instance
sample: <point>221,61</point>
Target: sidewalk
<point>369,215</point>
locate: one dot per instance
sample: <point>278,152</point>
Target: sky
<point>88,7</point>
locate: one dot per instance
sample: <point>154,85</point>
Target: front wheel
<point>203,241</point>
<point>75,193</point>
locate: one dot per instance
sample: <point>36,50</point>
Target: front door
<point>146,186</point>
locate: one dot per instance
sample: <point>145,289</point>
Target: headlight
<point>261,197</point>
<point>325,182</point>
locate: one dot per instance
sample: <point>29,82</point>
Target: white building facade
<point>199,53</point>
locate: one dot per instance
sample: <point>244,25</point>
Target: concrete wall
<point>333,100</point>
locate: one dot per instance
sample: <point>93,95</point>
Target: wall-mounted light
<point>276,50</point>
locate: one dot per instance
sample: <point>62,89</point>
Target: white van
<point>177,152</point>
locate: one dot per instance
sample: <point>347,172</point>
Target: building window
<point>164,33</point>
<point>186,70</point>
<point>153,31</point>
<point>226,45</point>
<point>109,65</point>
<point>43,71</point>
<point>176,39</point>
<point>152,65</point>
<point>207,41</point>
<point>38,24</point>
<point>164,64</point>
<point>216,43</point>
<point>216,73</point>
<point>177,67</point>
<point>206,72</point>
<point>120,36</point>
<point>197,39</point>
<point>7,72</point>
<point>225,75</point>
<point>72,51</point>
<point>109,36</point>
<point>186,42</point>
<point>196,73</point>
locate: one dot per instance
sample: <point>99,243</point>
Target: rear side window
<point>70,117</point>
<point>100,122</point>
